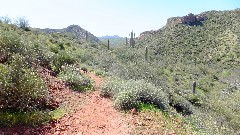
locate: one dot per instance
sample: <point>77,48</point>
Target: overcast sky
<point>108,17</point>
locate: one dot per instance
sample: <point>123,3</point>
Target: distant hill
<point>114,40</point>
<point>115,36</point>
<point>73,31</point>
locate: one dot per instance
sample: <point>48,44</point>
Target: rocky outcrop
<point>173,21</point>
<point>189,19</point>
<point>145,33</point>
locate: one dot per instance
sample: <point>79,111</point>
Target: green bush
<point>112,87</point>
<point>9,119</point>
<point>196,100</point>
<point>130,93</point>
<point>146,106</point>
<point>21,88</point>
<point>10,43</point>
<point>60,59</point>
<point>42,56</point>
<point>181,104</point>
<point>126,100</point>
<point>228,108</point>
<point>53,48</point>
<point>33,118</point>
<point>72,76</point>
<point>100,73</point>
<point>85,55</point>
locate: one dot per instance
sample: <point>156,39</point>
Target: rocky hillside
<point>73,31</point>
<point>216,40</point>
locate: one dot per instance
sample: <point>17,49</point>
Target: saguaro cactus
<point>146,53</point>
<point>108,45</point>
<point>194,87</point>
<point>86,35</point>
<point>132,42</point>
<point>126,41</point>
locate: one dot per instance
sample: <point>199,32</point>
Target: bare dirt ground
<point>91,114</point>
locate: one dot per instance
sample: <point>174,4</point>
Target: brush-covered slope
<point>25,55</point>
<point>205,51</point>
<point>212,41</point>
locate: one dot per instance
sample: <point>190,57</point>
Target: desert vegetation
<point>177,56</point>
<point>157,73</point>
<point>24,94</point>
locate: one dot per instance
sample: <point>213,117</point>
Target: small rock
<point>171,133</point>
<point>140,124</point>
<point>148,118</point>
<point>134,111</point>
<point>27,132</point>
<point>102,126</point>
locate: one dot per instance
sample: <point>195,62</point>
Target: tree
<point>6,20</point>
<point>22,23</point>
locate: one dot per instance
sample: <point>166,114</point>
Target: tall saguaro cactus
<point>126,40</point>
<point>146,53</point>
<point>132,42</point>
<point>194,87</point>
<point>108,45</point>
<point>86,35</point>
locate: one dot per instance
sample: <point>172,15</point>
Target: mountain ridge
<point>74,31</point>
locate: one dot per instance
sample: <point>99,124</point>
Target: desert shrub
<point>53,48</point>
<point>21,88</point>
<point>181,104</point>
<point>99,72</point>
<point>196,99</point>
<point>60,59</point>
<point>146,106</point>
<point>10,43</point>
<point>42,56</point>
<point>33,118</point>
<point>130,93</point>
<point>208,122</point>
<point>106,61</point>
<point>85,55</point>
<point>228,108</point>
<point>126,100</point>
<point>111,88</point>
<point>77,81</point>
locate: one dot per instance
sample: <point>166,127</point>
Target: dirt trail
<point>97,117</point>
<point>92,115</point>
